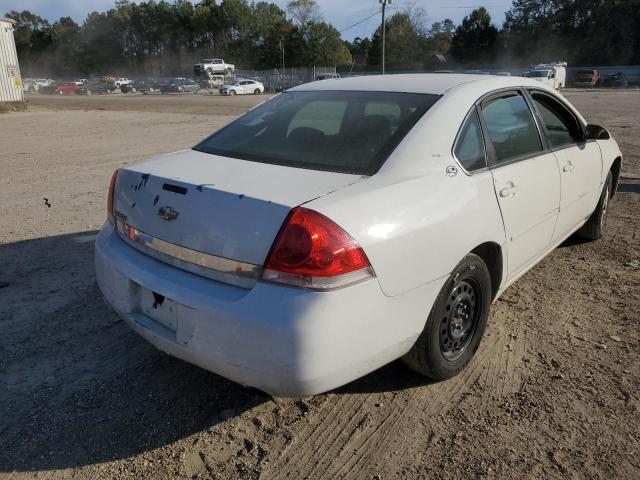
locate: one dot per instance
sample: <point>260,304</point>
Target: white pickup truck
<point>553,74</point>
<point>214,66</point>
<point>123,81</point>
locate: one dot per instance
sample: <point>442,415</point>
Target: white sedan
<point>341,225</point>
<point>242,87</point>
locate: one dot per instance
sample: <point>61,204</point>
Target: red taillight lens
<point>312,251</point>
<point>112,187</point>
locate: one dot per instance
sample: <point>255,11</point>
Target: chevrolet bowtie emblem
<point>167,213</point>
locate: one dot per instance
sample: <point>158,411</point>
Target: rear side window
<point>341,131</point>
<point>511,127</point>
<point>469,148</point>
<point>562,127</point>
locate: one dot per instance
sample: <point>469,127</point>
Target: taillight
<point>311,251</point>
<point>112,187</point>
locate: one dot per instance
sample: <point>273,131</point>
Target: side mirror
<point>596,132</point>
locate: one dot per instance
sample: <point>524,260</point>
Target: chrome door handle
<point>567,168</point>
<point>508,192</point>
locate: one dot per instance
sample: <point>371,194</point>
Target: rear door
<point>579,162</point>
<point>525,175</point>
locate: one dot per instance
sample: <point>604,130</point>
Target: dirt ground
<point>554,391</point>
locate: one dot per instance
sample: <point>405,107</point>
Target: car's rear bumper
<point>285,341</point>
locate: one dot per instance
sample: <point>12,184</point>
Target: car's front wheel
<point>596,225</point>
<point>456,322</point>
<point>232,92</point>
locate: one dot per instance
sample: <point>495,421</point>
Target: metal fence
<point>631,73</point>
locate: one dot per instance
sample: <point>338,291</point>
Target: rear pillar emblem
<point>452,171</point>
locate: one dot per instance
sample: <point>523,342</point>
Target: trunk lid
<point>220,206</point>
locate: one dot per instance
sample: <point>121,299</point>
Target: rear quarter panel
<point>416,231</point>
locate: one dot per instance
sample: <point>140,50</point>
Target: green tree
<point>304,12</point>
<point>406,45</point>
<point>476,40</point>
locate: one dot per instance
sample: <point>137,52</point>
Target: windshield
<point>538,73</point>
<point>350,132</point>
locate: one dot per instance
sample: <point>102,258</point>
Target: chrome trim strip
<point>219,268</point>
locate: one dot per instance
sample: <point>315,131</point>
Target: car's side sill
<point>537,260</point>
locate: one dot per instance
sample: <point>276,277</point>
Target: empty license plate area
<point>159,308</point>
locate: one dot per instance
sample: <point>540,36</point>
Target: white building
<point>10,80</point>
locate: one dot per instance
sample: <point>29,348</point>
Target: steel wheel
<point>460,321</point>
<point>456,322</point>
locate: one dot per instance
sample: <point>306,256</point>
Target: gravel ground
<point>554,391</point>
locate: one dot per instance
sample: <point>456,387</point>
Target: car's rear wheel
<point>256,91</point>
<point>456,322</point>
<point>597,223</point>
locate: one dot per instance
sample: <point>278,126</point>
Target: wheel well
<point>491,254</point>
<point>616,167</point>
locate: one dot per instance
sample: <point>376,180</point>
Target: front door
<point>525,176</point>
<point>579,162</point>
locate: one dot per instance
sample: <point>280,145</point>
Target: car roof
<point>430,83</point>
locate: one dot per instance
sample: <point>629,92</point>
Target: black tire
<point>228,71</point>
<point>456,322</point>
<point>232,92</point>
<point>597,223</point>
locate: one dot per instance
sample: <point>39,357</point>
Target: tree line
<point>163,38</point>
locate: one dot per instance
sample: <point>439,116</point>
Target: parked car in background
<point>213,66</point>
<point>146,85</point>
<point>49,89</point>
<point>96,87</point>
<point>66,88</point>
<point>242,87</point>
<point>29,85</point>
<point>180,85</point>
<point>341,225</point>
<point>586,79</point>
<point>81,81</point>
<point>327,76</point>
<point>122,81</point>
<point>615,80</point>
<point>43,82</point>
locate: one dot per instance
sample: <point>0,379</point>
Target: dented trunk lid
<point>220,206</point>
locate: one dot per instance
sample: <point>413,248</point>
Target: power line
<point>361,21</point>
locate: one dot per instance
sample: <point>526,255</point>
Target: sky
<point>340,13</point>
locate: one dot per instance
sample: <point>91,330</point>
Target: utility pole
<point>384,6</point>
<point>282,74</point>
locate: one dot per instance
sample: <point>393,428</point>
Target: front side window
<point>562,127</point>
<point>342,131</point>
<point>469,148</point>
<point>511,128</point>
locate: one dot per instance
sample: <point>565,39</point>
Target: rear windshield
<point>350,132</point>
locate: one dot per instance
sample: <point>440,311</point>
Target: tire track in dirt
<point>351,446</point>
<point>439,399</point>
